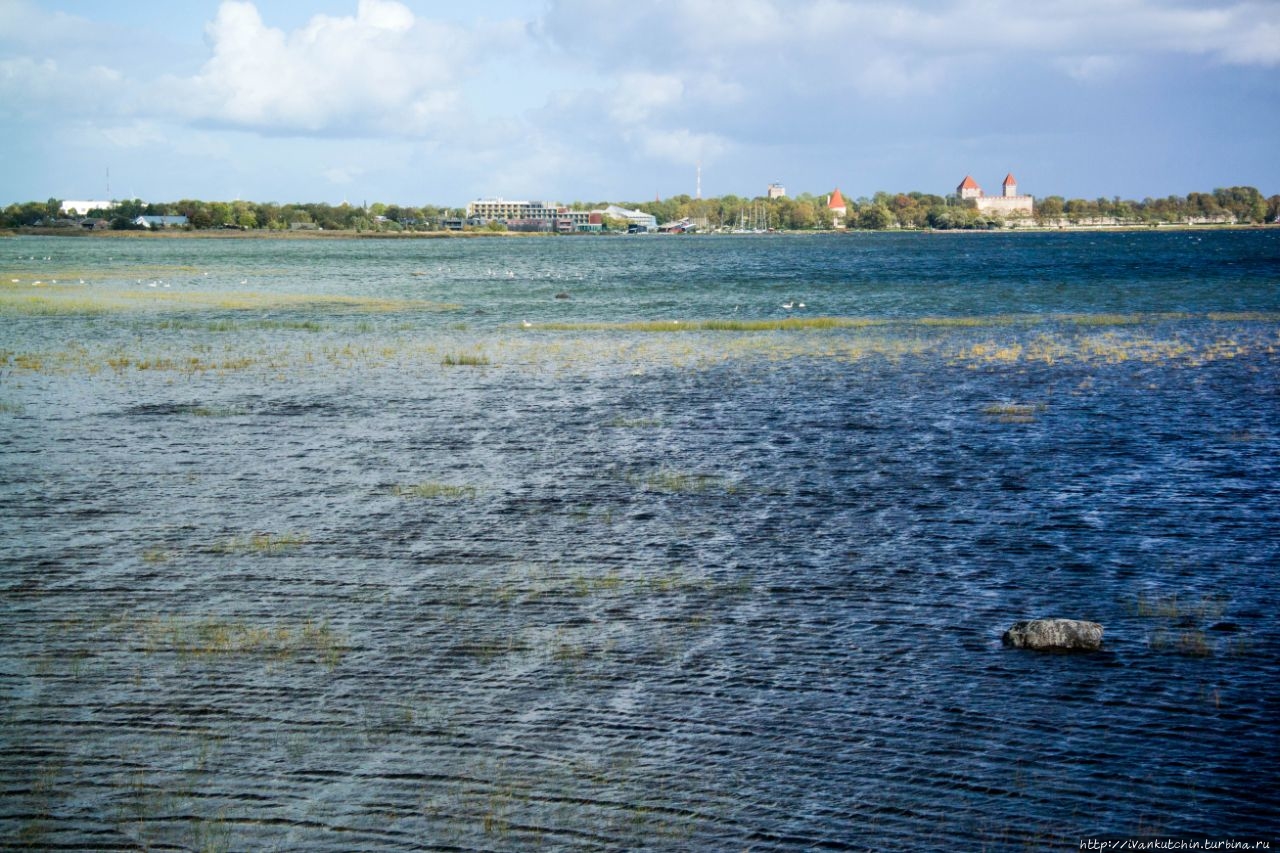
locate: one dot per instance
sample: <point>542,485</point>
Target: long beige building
<point>1008,203</point>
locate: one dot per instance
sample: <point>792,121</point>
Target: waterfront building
<point>504,209</point>
<point>160,221</point>
<point>1008,203</point>
<point>777,190</point>
<point>530,215</point>
<point>636,218</point>
<point>838,208</point>
<point>82,208</point>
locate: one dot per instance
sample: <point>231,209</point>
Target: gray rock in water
<point>1055,635</point>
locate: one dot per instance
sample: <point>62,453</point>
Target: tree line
<point>923,210</point>
<point>804,212</point>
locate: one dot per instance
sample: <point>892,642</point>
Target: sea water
<point>498,544</point>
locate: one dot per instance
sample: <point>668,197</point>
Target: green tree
<point>875,217</point>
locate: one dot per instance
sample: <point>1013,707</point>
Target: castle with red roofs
<point>1009,203</point>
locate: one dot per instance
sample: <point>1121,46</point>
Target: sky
<point>425,102</point>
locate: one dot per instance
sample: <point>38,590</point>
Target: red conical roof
<point>837,200</point>
<point>1010,179</point>
<point>968,183</point>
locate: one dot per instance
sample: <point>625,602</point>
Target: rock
<point>562,295</point>
<point>1055,635</point>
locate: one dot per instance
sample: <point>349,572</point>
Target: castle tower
<point>1010,186</point>
<point>838,208</point>
<point>969,188</point>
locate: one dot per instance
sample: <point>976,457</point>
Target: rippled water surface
<point>501,545</point>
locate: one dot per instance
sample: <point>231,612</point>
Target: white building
<point>1008,203</point>
<point>836,204</point>
<point>501,208</point>
<point>81,208</point>
<point>634,217</point>
<point>777,190</point>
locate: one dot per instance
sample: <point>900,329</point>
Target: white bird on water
<point>787,305</point>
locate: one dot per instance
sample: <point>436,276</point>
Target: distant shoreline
<point>263,234</point>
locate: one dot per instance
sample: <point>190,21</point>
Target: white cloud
<point>1090,68</point>
<point>639,95</point>
<point>342,176</point>
<point>680,146</point>
<point>138,134</point>
<point>380,71</point>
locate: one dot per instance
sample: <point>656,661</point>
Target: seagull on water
<point>526,324</point>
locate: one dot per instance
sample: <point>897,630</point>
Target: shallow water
<point>614,588</point>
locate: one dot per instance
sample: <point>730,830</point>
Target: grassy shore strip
<point>802,323</point>
<point>60,300</point>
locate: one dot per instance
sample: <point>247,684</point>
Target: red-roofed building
<point>838,208</point>
<point>1008,203</point>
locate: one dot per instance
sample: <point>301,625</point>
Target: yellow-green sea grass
<point>60,300</point>
<point>681,482</point>
<point>447,491</point>
<point>465,359</point>
<point>207,636</point>
<point>261,543</point>
<point>1020,411</point>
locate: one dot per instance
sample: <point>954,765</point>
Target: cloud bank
<point>608,89</point>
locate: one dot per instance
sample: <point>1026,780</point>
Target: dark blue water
<point>617,588</point>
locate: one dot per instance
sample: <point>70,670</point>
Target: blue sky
<point>417,102</point>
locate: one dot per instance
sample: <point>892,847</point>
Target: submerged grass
<point>465,360</point>
<point>1180,607</point>
<point>197,637</point>
<point>1015,413</point>
<point>233,326</point>
<point>260,543</point>
<point>435,490</point>
<point>1183,624</point>
<point>55,300</point>
<point>681,482</point>
<point>782,324</point>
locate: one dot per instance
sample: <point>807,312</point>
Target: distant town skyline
<point>587,100</point>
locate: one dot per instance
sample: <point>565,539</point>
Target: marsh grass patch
<point>197,637</point>
<point>1014,413</point>
<point>57,300</point>
<point>260,543</point>
<point>682,482</point>
<point>433,490</point>
<point>1188,625</point>
<point>1180,607</point>
<point>239,325</point>
<point>465,359</point>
